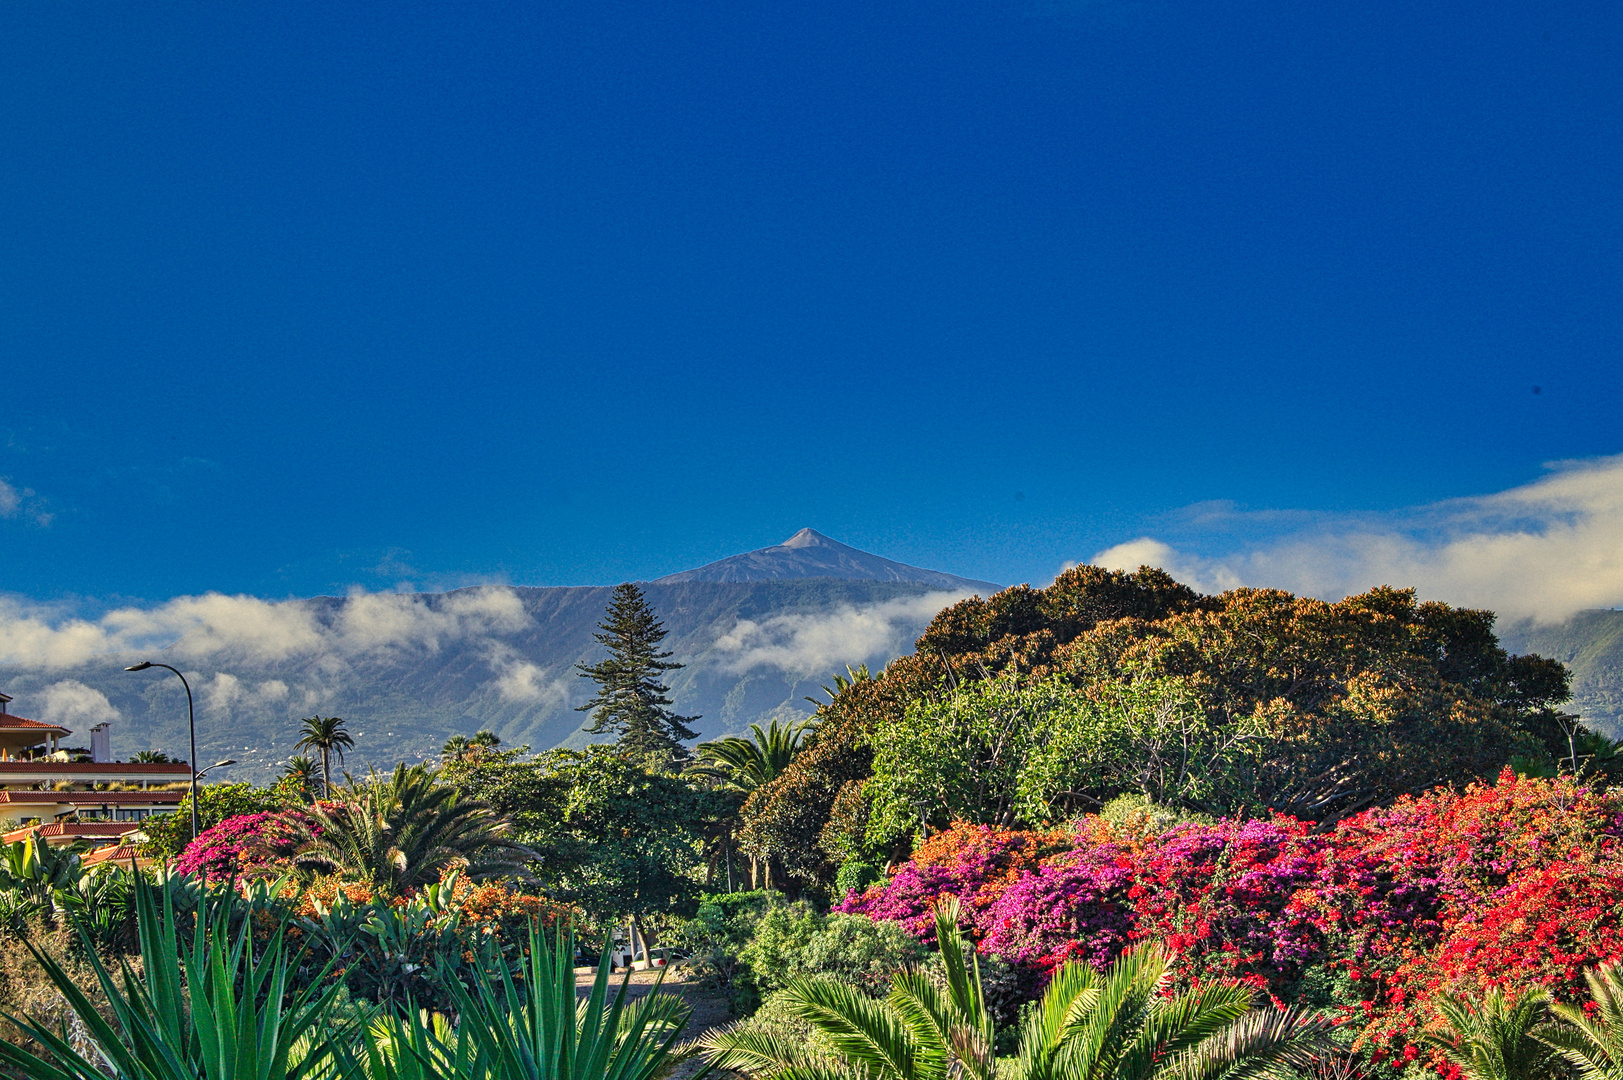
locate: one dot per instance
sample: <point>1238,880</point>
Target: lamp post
<point>191,726</point>
<point>216,765</point>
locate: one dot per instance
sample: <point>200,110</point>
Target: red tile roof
<point>122,853</point>
<point>95,830</point>
<point>90,798</point>
<point>9,721</point>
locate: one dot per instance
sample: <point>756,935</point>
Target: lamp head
<point>142,666</point>
<point>223,764</point>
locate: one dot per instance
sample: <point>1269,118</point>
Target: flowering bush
<point>1515,882</point>
<point>973,862</point>
<point>245,845</point>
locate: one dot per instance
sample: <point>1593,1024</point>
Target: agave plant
<point>210,1010</point>
<point>534,1028</point>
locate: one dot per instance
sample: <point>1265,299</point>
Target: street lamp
<point>216,765</point>
<point>191,725</point>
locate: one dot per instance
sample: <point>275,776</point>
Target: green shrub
<point>794,940</point>
<point>854,874</point>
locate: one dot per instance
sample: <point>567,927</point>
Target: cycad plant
<point>1495,1037</point>
<point>535,1028</point>
<point>1590,1040</point>
<point>918,1032</point>
<point>1120,1025</point>
<point>1123,1024</point>
<point>209,1010</point>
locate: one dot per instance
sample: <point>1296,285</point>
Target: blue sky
<point>300,297</point>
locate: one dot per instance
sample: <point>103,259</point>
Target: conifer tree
<point>630,699</point>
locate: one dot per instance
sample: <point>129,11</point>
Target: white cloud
<point>216,627</point>
<point>74,705</point>
<point>817,643</point>
<point>1543,550</point>
<point>226,691</point>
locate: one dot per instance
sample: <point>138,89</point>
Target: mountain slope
<point>810,554</point>
<point>1591,644</point>
<point>408,671</point>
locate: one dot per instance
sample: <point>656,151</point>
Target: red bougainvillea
<point>1517,882</point>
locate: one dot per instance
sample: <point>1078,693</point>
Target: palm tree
<point>1592,1041</point>
<point>406,830</point>
<point>302,771</point>
<point>326,736</point>
<point>1496,1038</point>
<point>150,757</point>
<point>459,747</point>
<point>742,765</point>
<point>1119,1025</point>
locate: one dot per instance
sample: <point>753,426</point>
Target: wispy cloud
<point>817,643</point>
<point>1542,551</point>
<point>23,503</point>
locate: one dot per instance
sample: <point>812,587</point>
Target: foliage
<point>1386,917</point>
<point>1245,703</point>
<point>793,940</point>
<point>167,836</point>
<point>531,1028</point>
<point>406,830</point>
<point>627,839</point>
<point>630,699</point>
<point>216,1009</point>
<point>410,949</point>
<point>715,938</point>
<point>916,1032</point>
<point>247,845</point>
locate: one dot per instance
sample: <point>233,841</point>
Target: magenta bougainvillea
<point>245,845</point>
<point>1508,883</point>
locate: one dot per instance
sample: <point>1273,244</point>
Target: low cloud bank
<point>811,644</point>
<point>1542,551</point>
<point>218,628</point>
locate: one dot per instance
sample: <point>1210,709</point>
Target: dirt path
<point>709,1010</point>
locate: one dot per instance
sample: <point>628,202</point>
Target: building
<point>44,791</point>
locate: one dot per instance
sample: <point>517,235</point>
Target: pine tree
<point>630,698</point>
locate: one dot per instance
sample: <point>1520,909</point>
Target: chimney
<point>101,742</point>
<point>5,699</point>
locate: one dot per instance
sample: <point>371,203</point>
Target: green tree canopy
<point>1246,701</point>
<point>631,699</point>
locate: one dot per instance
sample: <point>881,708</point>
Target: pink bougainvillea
<point>245,845</point>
